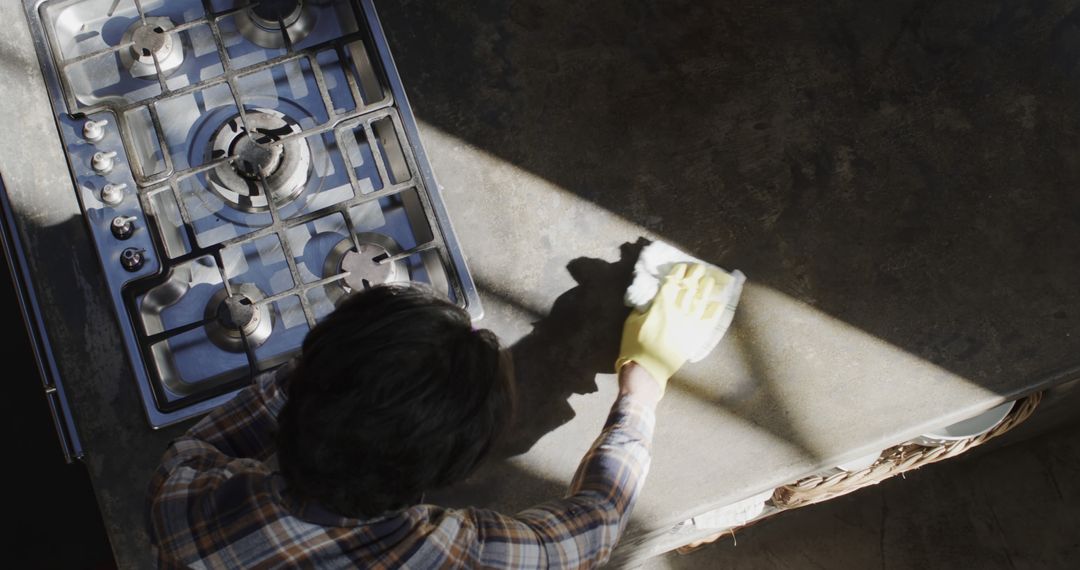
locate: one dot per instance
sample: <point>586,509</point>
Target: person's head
<point>394,394</point>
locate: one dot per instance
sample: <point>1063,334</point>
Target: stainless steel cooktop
<point>242,167</point>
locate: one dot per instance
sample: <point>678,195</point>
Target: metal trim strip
<point>35,329</point>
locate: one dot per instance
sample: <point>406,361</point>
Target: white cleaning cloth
<point>656,261</point>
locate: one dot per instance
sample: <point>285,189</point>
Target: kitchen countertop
<point>899,187</point>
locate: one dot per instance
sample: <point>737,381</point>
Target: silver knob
<point>94,131</point>
<point>123,226</point>
<point>113,194</point>
<point>103,162</point>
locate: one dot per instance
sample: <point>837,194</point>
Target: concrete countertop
<point>899,186</point>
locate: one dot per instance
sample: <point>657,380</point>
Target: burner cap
<point>284,167</point>
<point>254,161</point>
<point>261,24</point>
<point>150,38</point>
<point>237,313</point>
<point>364,271</point>
<point>227,316</point>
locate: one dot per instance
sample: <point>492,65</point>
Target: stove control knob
<point>123,226</point>
<point>132,259</point>
<point>113,194</point>
<point>94,131</point>
<point>103,162</point>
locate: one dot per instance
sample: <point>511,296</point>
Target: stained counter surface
<point>899,187</point>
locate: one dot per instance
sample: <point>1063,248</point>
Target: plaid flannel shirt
<point>215,503</point>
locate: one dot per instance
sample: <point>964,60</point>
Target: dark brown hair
<point>394,394</point>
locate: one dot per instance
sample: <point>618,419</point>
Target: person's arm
<point>582,529</point>
<point>234,437</point>
<point>242,428</point>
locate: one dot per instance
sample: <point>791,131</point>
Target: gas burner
<point>226,316</point>
<point>262,23</point>
<point>283,167</point>
<point>363,268</point>
<point>149,38</point>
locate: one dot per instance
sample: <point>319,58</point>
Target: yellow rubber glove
<point>682,314</point>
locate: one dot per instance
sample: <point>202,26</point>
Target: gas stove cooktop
<point>242,168</point>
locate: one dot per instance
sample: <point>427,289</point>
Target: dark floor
<point>52,513</point>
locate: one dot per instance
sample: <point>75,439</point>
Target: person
<point>394,394</point>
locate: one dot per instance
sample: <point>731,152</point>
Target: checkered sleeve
<point>580,530</point>
<point>245,426</point>
<point>236,437</point>
<point>242,428</point>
